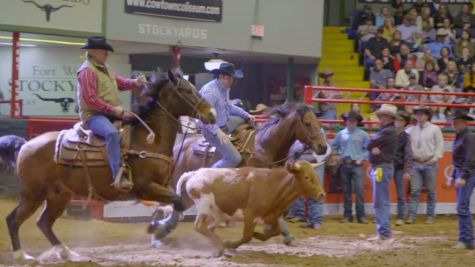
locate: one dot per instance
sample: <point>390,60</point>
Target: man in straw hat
<point>403,164</point>
<point>228,116</point>
<point>383,148</point>
<point>326,109</point>
<point>351,144</point>
<point>463,157</point>
<point>99,104</point>
<point>427,145</point>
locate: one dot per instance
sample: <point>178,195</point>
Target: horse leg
<point>27,206</point>
<point>55,205</point>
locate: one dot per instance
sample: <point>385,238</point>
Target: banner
<point>60,17</point>
<point>412,1</point>
<point>206,10</point>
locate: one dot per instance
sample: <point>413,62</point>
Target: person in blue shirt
<point>228,115</point>
<point>351,144</point>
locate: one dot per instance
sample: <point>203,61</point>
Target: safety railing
<point>17,102</point>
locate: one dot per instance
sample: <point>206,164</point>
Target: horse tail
<point>183,179</point>
<point>9,147</point>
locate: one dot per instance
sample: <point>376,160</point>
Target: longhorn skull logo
<point>47,8</point>
<point>64,102</point>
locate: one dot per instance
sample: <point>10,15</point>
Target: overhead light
<point>43,40</point>
<point>23,45</point>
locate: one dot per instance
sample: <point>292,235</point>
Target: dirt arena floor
<point>126,244</point>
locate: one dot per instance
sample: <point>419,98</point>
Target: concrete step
<point>337,50</point>
<point>333,29</point>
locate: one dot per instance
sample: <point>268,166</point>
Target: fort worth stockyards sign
<point>207,10</point>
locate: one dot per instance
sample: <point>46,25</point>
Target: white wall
<point>50,73</point>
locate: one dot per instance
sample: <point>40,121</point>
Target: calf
<point>249,194</point>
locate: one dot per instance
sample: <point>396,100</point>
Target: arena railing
<point>310,92</point>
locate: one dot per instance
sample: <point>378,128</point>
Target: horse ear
<point>172,77</point>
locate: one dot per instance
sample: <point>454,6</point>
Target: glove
<point>118,111</point>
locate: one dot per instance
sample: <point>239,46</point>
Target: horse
<point>41,179</point>
<point>288,122</point>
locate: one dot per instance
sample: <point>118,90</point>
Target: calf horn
<point>316,165</point>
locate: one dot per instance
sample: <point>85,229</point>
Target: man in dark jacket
<point>383,148</point>
<point>463,157</point>
<point>403,164</point>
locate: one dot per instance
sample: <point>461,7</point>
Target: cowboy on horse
<point>229,116</point>
<point>99,104</point>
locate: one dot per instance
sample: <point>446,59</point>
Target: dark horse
<point>42,180</point>
<point>288,122</point>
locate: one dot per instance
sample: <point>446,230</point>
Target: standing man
<point>428,147</point>
<point>403,164</point>
<point>463,157</point>
<point>351,144</point>
<point>98,100</point>
<point>228,118</point>
<point>383,148</point>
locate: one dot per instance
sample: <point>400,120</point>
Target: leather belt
<point>349,161</point>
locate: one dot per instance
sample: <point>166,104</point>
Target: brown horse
<point>288,123</point>
<point>42,180</point>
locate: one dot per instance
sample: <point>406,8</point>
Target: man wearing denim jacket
<point>228,115</point>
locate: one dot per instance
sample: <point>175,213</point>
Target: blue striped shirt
<point>217,96</point>
<point>352,144</point>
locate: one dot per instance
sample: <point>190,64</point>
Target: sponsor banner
<point>64,17</point>
<point>412,1</point>
<point>206,10</point>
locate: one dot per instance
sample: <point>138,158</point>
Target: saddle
<point>242,139</point>
<point>78,146</point>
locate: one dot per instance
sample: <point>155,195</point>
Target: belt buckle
<point>348,161</point>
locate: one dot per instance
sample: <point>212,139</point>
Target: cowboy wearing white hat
<point>427,145</point>
<point>383,148</point>
<point>463,157</point>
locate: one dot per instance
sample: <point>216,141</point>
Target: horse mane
<point>146,102</point>
<point>277,113</point>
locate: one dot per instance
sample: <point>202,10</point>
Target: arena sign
<point>206,10</point>
<point>412,1</point>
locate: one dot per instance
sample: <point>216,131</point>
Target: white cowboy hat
<point>387,109</point>
<point>259,108</point>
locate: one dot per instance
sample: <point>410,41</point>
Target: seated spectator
<point>442,86</point>
<point>396,42</point>
<point>388,60</point>
<point>464,42</point>
<point>397,4</point>
<point>441,15</point>
<point>426,57</point>
<point>469,78</point>
<point>424,16</point>
<point>448,27</point>
<point>362,17</point>
<point>382,16</point>
<point>428,32</point>
<point>419,6</point>
<point>444,59</point>
<point>402,76</point>
<point>428,77</point>
<point>327,110</point>
<point>453,76</point>
<point>374,46</point>
<point>439,43</point>
<point>413,86</point>
<point>409,31</point>
<point>465,20</point>
<point>389,29</point>
<point>398,15</point>
<point>382,96</point>
<point>434,7</point>
<point>413,14</point>
<point>404,56</point>
<point>465,62</point>
<point>440,114</point>
<point>366,31</point>
<point>467,100</point>
<point>378,75</point>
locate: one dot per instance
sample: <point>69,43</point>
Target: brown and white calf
<point>253,195</point>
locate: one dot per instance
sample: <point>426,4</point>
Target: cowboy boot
<point>121,183</point>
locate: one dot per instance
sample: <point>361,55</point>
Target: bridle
<point>309,136</point>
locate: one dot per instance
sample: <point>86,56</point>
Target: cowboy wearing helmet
<point>463,157</point>
<point>383,148</point>
<point>427,145</point>
<point>99,104</point>
<point>228,118</point>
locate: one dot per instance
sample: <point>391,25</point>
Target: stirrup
<point>122,183</point>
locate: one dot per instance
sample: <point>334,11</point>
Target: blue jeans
<point>314,207</point>
<point>351,176</point>
<point>423,173</point>
<point>463,211</point>
<point>230,157</point>
<point>400,191</point>
<point>103,127</point>
<point>381,199</point>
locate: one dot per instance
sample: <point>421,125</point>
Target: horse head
<point>308,129</point>
<point>180,98</point>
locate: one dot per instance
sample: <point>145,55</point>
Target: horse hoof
<point>154,243</point>
<point>218,253</point>
<point>160,231</point>
<point>66,254</point>
<point>20,255</point>
<point>289,241</point>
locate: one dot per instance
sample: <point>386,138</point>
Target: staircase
<point>338,55</point>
